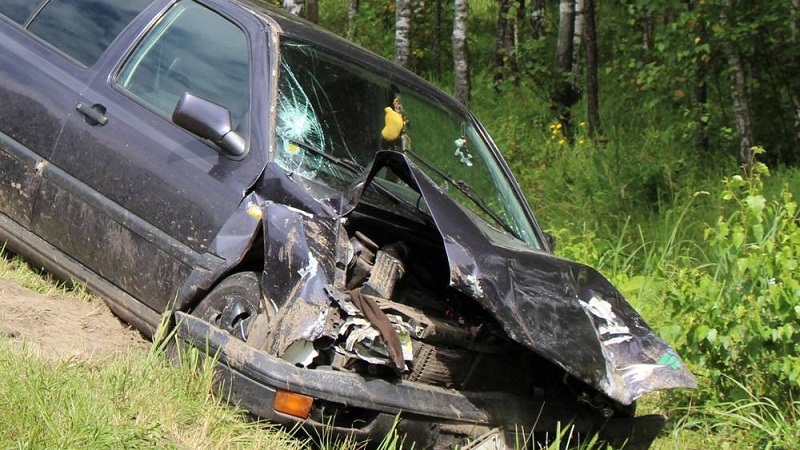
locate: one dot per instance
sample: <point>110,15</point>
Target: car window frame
<point>134,45</point>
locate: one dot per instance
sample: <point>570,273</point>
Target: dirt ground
<point>63,328</point>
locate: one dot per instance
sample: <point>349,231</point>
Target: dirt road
<point>63,328</point>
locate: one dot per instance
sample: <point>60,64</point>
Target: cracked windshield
<point>334,116</point>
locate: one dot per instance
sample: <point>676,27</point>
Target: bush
<point>738,313</point>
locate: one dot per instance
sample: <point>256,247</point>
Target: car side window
<point>18,10</point>
<point>192,49</point>
<point>83,29</point>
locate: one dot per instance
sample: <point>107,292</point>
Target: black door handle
<point>94,115</point>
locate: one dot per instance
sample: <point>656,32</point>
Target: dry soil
<point>63,328</point>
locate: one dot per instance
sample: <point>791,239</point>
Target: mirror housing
<point>210,121</point>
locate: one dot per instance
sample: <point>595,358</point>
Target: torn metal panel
<point>300,261</point>
<point>232,243</point>
<point>564,311</point>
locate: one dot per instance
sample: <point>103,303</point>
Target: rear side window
<point>84,28</point>
<point>18,10</point>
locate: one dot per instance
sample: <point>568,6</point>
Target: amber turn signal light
<point>296,405</point>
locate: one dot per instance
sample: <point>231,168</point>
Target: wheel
<point>233,305</point>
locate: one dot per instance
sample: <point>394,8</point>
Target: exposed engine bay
<point>393,315</point>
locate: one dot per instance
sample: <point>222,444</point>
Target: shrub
<point>738,315</point>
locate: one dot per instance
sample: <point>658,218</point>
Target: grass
<point>15,269</point>
<point>130,401</point>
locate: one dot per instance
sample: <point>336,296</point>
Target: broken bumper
<point>431,416</point>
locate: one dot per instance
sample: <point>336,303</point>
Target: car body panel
<point>37,92</point>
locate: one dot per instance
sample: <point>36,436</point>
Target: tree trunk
<point>647,25</point>
<point>701,138</point>
<point>741,107</point>
<point>312,11</point>
<point>537,19</point>
<point>565,94</point>
<point>402,40</point>
<point>460,60</point>
<point>503,42</point>
<point>795,11</point>
<point>794,88</point>
<point>437,40</point>
<point>293,6</point>
<point>592,88</point>
<point>578,33</point>
<point>352,12</point>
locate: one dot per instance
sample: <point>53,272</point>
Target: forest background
<point>657,140</point>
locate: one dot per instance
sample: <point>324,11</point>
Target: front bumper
<point>430,416</point>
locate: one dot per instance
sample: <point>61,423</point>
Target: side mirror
<point>210,121</point>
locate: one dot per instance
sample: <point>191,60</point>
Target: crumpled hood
<point>562,310</point>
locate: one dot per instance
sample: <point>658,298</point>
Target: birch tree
<point>741,106</point>
<point>293,6</point>
<point>537,19</point>
<point>402,36</point>
<point>565,94</point>
<point>578,30</point>
<point>592,87</point>
<point>352,12</point>
<point>460,60</point>
<point>307,9</point>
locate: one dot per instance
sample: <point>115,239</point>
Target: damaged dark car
<point>343,236</point>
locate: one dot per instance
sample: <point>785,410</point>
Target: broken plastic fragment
<point>300,353</point>
<point>365,343</point>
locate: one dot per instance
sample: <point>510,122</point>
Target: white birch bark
<point>352,12</point>
<point>578,33</point>
<point>460,60</point>
<point>293,6</point>
<point>537,19</point>
<point>741,105</point>
<point>402,36</point>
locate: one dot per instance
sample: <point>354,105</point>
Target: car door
<point>42,70</point>
<point>135,198</point>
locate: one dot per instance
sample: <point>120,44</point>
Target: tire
<point>233,304</point>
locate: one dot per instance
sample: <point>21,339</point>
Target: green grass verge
<point>133,401</point>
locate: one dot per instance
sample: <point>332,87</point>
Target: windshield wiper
<point>465,189</point>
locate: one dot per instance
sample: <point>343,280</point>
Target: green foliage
<point>739,311</point>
